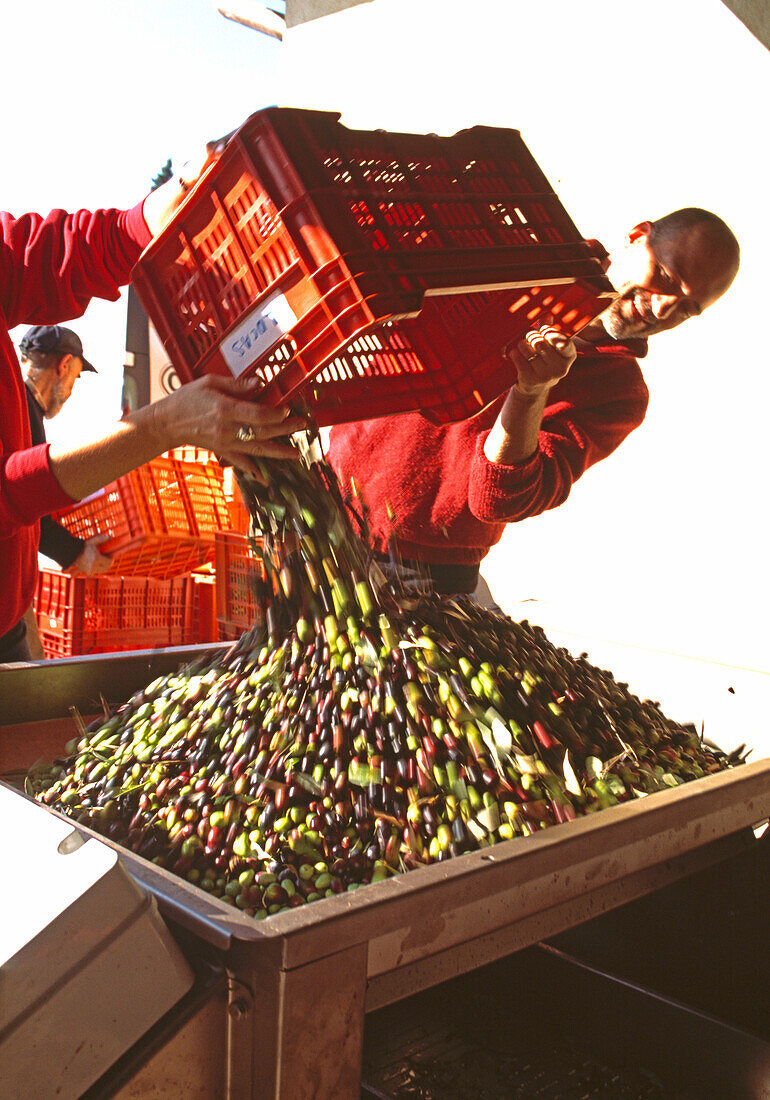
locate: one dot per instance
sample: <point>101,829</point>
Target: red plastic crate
<point>205,625</point>
<point>191,453</point>
<point>305,235</point>
<point>239,516</point>
<point>104,614</point>
<point>237,607</point>
<point>161,518</point>
<point>448,363</point>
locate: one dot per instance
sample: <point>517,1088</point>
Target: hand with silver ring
<point>542,358</point>
<point>222,415</point>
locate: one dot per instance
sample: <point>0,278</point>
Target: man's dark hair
<point>670,226</point>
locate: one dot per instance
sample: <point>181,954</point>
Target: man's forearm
<point>540,360</point>
<point>513,437</point>
<point>93,464</point>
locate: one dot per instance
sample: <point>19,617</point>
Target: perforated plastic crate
<point>449,362</point>
<point>104,614</point>
<point>306,234</point>
<point>161,518</point>
<point>239,516</point>
<point>203,628</point>
<point>191,453</point>
<point>238,573</point>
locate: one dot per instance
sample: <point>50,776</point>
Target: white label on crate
<point>257,332</point>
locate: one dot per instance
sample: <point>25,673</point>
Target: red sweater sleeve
<point>28,489</point>
<point>590,414</point>
<point>50,268</point>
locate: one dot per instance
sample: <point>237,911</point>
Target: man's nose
<point>663,305</point>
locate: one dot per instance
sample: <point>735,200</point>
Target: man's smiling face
<point>664,279</point>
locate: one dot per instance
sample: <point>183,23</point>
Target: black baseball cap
<point>54,338</point>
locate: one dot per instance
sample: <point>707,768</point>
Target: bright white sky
<point>630,109</point>
<point>96,95</point>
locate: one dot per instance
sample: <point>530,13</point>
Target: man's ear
<point>639,232</point>
<point>63,364</point>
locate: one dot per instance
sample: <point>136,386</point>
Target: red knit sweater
<point>449,502</point>
<point>50,268</point>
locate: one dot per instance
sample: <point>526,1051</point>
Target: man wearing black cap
<point>52,357</point>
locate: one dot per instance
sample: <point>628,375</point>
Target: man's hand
<point>221,415</point>
<point>161,204</point>
<point>214,412</point>
<point>192,170</point>
<point>542,359</point>
<point>91,561</point>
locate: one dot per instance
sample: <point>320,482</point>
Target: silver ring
<point>532,358</point>
<point>245,434</point>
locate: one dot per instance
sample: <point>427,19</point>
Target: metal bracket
<point>240,999</point>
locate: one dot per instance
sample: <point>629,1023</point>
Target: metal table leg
<point>307,1028</point>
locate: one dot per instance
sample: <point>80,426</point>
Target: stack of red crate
<point>105,614</point>
<point>160,518</point>
<point>161,521</point>
<point>238,571</point>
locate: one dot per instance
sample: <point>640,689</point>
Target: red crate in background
<point>77,615</point>
<point>305,235</point>
<point>204,485</point>
<point>448,363</point>
<point>191,453</point>
<point>161,518</point>
<point>204,625</point>
<point>239,516</point>
<point>237,569</point>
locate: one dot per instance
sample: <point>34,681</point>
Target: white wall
<point>631,110</point>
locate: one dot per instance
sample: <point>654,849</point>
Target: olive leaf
<point>571,781</point>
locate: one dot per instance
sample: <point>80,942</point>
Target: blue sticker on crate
<point>257,333</point>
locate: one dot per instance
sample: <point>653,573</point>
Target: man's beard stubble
<point>57,400</point>
<point>618,324</point>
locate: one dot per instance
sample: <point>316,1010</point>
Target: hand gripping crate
<point>77,615</point>
<point>161,518</point>
<point>306,235</point>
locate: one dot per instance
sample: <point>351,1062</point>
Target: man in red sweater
<point>441,496</point>
<point>50,268</point>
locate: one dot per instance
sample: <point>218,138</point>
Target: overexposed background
<point>631,110</point>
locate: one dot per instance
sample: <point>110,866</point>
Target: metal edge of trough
<point>40,690</point>
<point>427,910</point>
